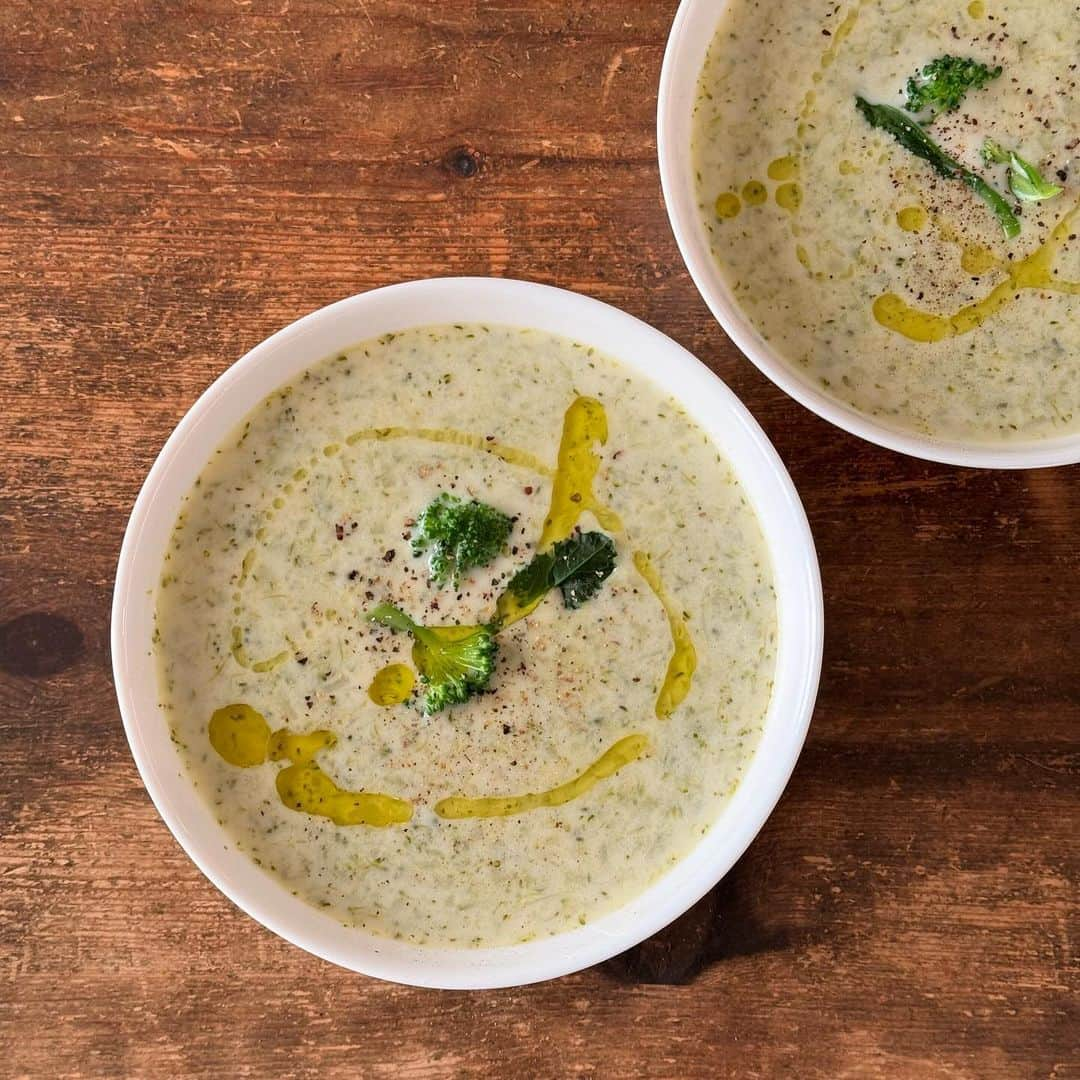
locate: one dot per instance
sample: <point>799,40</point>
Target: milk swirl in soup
<point>892,288</point>
<point>611,733</point>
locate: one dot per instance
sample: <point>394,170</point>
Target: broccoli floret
<point>455,662</point>
<point>942,84</point>
<point>460,534</point>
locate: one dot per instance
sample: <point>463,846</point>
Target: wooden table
<point>178,180</point>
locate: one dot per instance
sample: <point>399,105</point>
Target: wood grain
<point>178,180</point>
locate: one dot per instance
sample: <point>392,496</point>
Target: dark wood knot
<point>38,644</point>
<point>463,161</point>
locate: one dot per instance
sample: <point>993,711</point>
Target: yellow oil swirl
<point>912,218</point>
<point>683,662</point>
<point>840,34</point>
<point>240,655</point>
<point>977,259</point>
<point>449,436</point>
<point>754,193</point>
<point>727,205</point>
<point>828,58</point>
<point>783,168</point>
<point>246,565</point>
<point>786,169</point>
<point>303,786</point>
<point>1034,272</point>
<point>584,425</point>
<point>392,684</point>
<point>243,738</point>
<point>789,197</point>
<point>626,750</point>
<point>240,735</point>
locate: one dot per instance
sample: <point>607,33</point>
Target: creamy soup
<point>890,287</point>
<point>610,735</point>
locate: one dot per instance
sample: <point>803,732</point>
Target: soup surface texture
<point>625,722</point>
<point>890,287</point>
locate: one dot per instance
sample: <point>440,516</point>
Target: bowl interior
<point>691,35</point>
<point>397,307</point>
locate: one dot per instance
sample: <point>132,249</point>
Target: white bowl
<point>691,35</point>
<point>398,307</point>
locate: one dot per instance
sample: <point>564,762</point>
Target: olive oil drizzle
<point>509,610</point>
<point>828,57</point>
<point>683,662</point>
<point>1034,272</point>
<point>626,750</point>
<point>785,170</point>
<point>789,195</point>
<point>572,493</point>
<point>449,436</point>
<point>240,735</point>
<point>246,565</point>
<point>584,425</point>
<point>243,738</point>
<point>240,655</point>
<point>392,684</point>
<point>912,218</point>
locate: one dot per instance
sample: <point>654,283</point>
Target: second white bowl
<point>691,35</point>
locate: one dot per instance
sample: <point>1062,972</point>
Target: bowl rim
<point>692,32</point>
<point>518,303</point>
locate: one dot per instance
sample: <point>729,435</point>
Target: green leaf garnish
<point>582,564</point>
<point>577,566</point>
<point>532,581</point>
<point>1025,181</point>
<point>914,139</point>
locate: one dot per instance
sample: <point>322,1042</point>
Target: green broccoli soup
<point>891,192</point>
<point>466,635</point>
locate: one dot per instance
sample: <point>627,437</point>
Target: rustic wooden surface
<point>179,179</point>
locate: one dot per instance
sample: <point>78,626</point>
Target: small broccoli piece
<point>455,662</point>
<point>460,534</point>
<point>1025,181</point>
<point>993,153</point>
<point>942,84</point>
